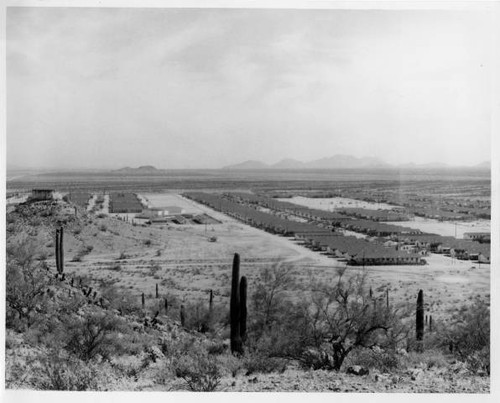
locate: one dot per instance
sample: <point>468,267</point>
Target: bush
<point>263,364</point>
<point>316,359</point>
<point>468,336</point>
<point>200,372</point>
<point>376,358</point>
<point>427,359</point>
<point>217,349</point>
<point>57,373</point>
<point>26,283</point>
<point>122,256</point>
<point>92,335</point>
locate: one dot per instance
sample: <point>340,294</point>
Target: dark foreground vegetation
<point>62,335</point>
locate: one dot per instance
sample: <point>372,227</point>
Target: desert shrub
<point>467,336</point>
<point>83,251</point>
<point>102,227</point>
<point>147,242</point>
<point>216,348</point>
<point>434,358</point>
<point>66,373</point>
<point>201,373</point>
<point>26,283</point>
<point>10,228</point>
<point>174,345</point>
<point>133,343</point>
<point>92,335</point>
<point>122,256</point>
<point>230,365</point>
<point>315,358</point>
<point>479,361</point>
<point>79,255</point>
<point>115,267</point>
<point>126,303</point>
<point>198,317</point>
<point>376,358</point>
<point>154,269</point>
<point>256,362</point>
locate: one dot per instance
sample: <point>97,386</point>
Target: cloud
<point>201,87</point>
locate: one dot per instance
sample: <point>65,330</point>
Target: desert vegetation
<point>76,322</point>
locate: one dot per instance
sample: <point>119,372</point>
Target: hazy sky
<point>203,88</point>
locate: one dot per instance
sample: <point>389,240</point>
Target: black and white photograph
<point>250,197</point>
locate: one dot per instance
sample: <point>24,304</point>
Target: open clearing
<point>446,228</point>
<point>335,203</point>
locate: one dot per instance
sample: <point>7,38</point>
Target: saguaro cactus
<point>234,308</point>
<point>210,310</point>
<point>387,298</point>
<point>430,323</point>
<point>61,251</point>
<point>157,294</point>
<point>58,268</point>
<point>143,300</point>
<point>420,316</point>
<point>243,309</point>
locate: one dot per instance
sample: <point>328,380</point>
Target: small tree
<point>26,281</point>
<point>346,317</point>
<point>92,335</point>
<point>270,296</point>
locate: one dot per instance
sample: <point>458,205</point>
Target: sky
<point>205,88</point>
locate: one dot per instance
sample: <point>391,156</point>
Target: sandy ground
<point>91,202</point>
<point>334,203</point>
<point>105,205</point>
<point>448,228</point>
<point>16,200</point>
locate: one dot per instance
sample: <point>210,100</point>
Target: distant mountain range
<point>144,169</point>
<point>344,162</point>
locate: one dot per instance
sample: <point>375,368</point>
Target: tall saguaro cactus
<point>243,308</point>
<point>234,308</point>
<point>61,251</point>
<point>420,316</point>
<point>58,268</point>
